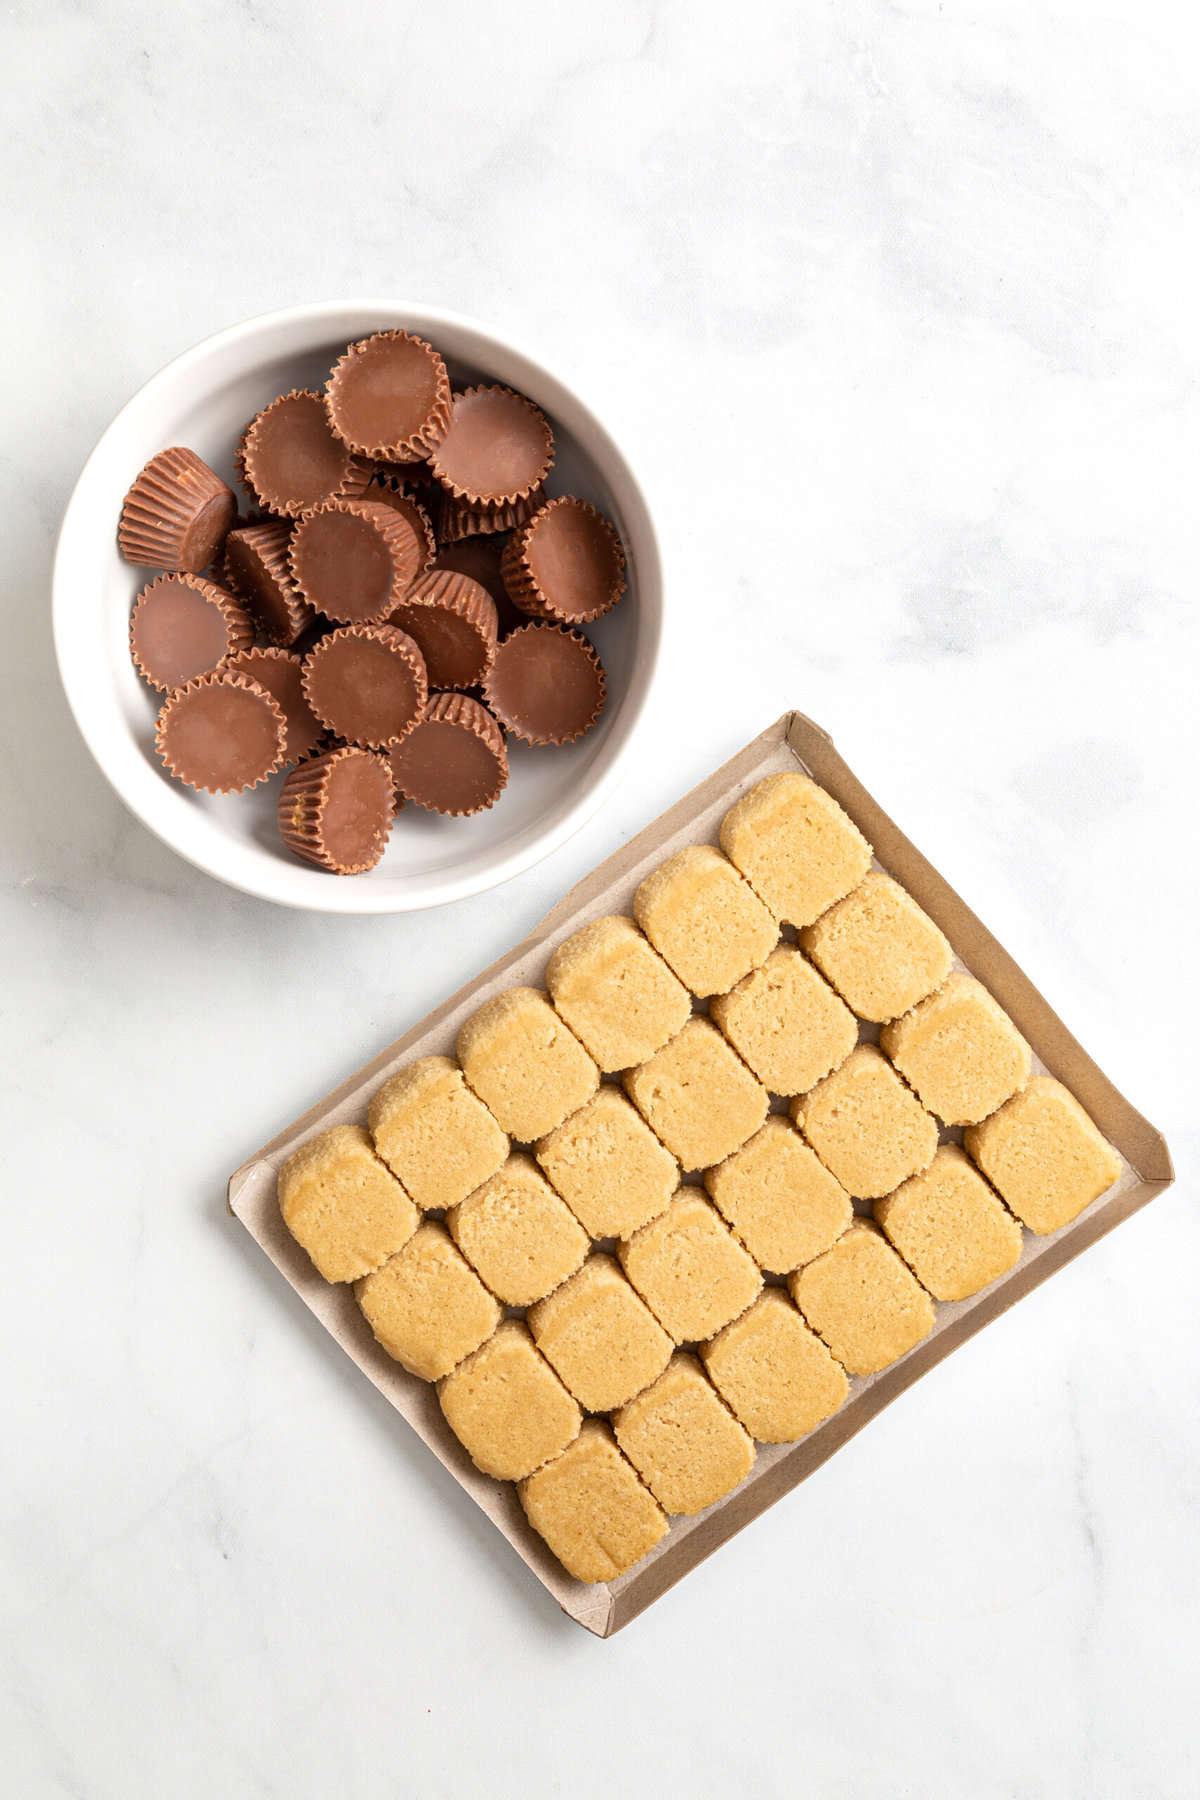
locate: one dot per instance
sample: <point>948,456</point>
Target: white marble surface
<point>894,306</point>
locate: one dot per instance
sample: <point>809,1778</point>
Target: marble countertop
<point>893,307</point>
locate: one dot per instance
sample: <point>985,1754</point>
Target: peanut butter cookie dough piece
<point>786,1022</point>
<point>959,1051</point>
<point>949,1227</point>
<point>704,919</point>
<point>434,1133</point>
<point>343,1205</point>
<point>427,1308</point>
<point>616,993</point>
<point>599,1337</point>
<point>796,847</point>
<point>682,1439</point>
<point>869,1130</point>
<point>517,1234</point>
<point>780,1198</point>
<point>507,1407</point>
<point>690,1269</point>
<point>524,1064</point>
<point>592,1508</point>
<point>881,952</point>
<point>697,1096</point>
<point>608,1166</point>
<point>775,1374</point>
<point>863,1300</point>
<point>1044,1155</point>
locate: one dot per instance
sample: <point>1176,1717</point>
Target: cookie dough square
<point>1044,1155</point>
<point>517,1234</point>
<point>880,951</point>
<point>863,1300</point>
<point>524,1064</point>
<point>704,919</point>
<point>959,1051</point>
<point>780,1198</point>
<point>690,1269</point>
<point>599,1337</point>
<point>434,1133</point>
<point>616,993</point>
<point>796,847</point>
<point>867,1127</point>
<point>507,1407</point>
<point>697,1096</point>
<point>774,1374</point>
<point>683,1440</point>
<point>426,1306</point>
<point>592,1507</point>
<point>785,1021</point>
<point>949,1227</point>
<point>608,1166</point>
<point>343,1204</point>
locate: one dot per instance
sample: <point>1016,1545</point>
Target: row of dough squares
<point>594,1402</point>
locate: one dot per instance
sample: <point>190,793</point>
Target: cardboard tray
<point>792,741</point>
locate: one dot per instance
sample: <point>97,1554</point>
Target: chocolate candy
<point>459,519</point>
<point>389,397</point>
<point>453,621</point>
<point>336,809</point>
<point>353,560</point>
<point>497,450</point>
<point>258,570</point>
<point>367,683</point>
<point>182,626</point>
<point>546,684</point>
<point>222,733</point>
<point>281,672</point>
<point>392,490</point>
<point>566,564</point>
<point>291,459</point>
<point>176,514</point>
<point>454,761</point>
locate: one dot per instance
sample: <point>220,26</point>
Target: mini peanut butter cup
<point>389,397</point>
<point>392,490</point>
<point>281,672</point>
<point>566,564</point>
<point>258,571</point>
<point>452,620</point>
<point>354,560</point>
<point>546,684</point>
<point>499,447</point>
<point>290,459</point>
<point>176,515</point>
<point>221,733</point>
<point>182,626</point>
<point>367,683</point>
<point>480,558</point>
<point>460,519</point>
<point>336,809</point>
<point>454,761</point>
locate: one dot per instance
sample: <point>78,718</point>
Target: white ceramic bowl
<point>203,400</point>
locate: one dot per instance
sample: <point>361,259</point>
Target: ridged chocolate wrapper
<point>567,564</point>
<point>281,672</point>
<point>389,397</point>
<point>289,458</point>
<point>182,626</point>
<point>221,733</point>
<point>546,684</point>
<point>460,519</point>
<point>176,515</point>
<point>336,809</point>
<point>354,560</point>
<point>454,762</point>
<point>367,683</point>
<point>498,449</point>
<point>452,619</point>
<point>258,571</point>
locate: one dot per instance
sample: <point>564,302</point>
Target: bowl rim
<point>277,881</point>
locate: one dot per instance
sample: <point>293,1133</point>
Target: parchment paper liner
<point>492,502</point>
<point>400,539</point>
<point>304,731</point>
<point>458,519</point>
<point>458,709</point>
<point>302,807</point>
<point>401,645</point>
<point>523,588</point>
<point>239,628</point>
<point>417,446</point>
<point>465,600</point>
<point>181,697</point>
<point>357,470</point>
<point>519,731</point>
<point>268,544</point>
<point>172,499</point>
